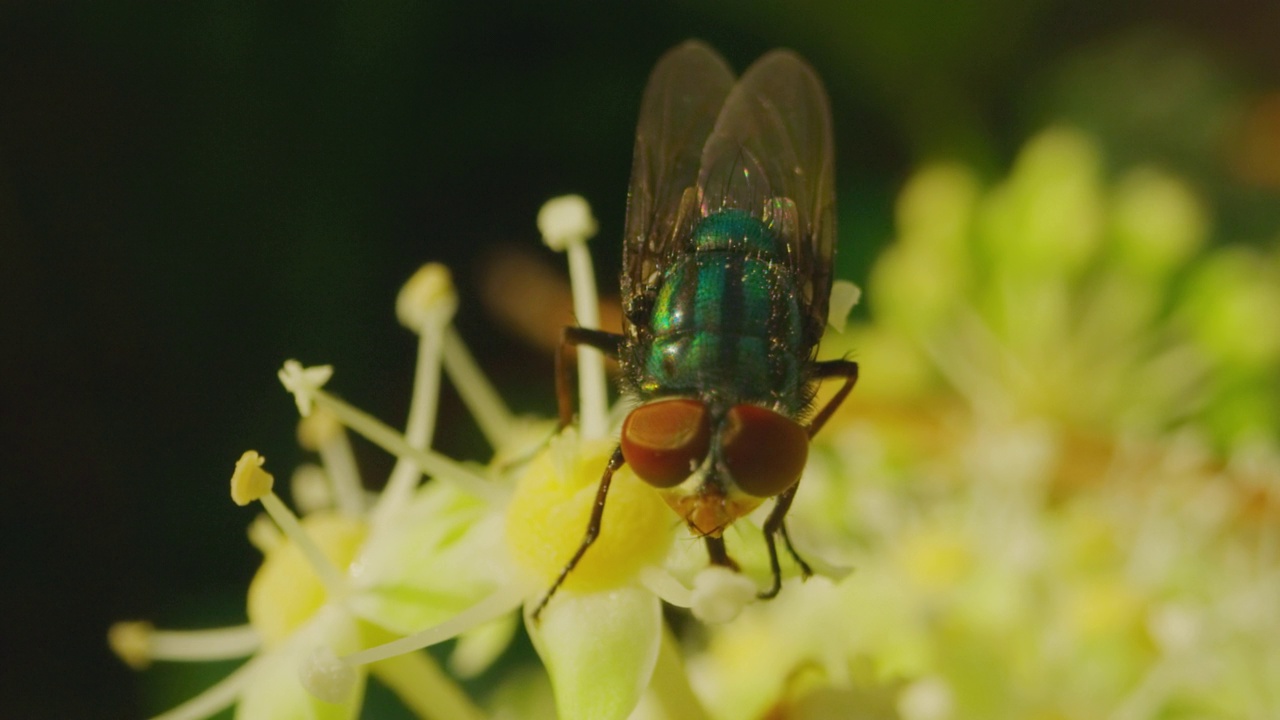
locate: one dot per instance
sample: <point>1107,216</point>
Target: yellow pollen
<point>549,513</point>
<point>250,482</point>
<point>317,429</point>
<point>131,642</point>
<point>286,592</point>
<point>429,290</point>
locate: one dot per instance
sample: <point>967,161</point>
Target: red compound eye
<point>764,451</point>
<point>665,441</point>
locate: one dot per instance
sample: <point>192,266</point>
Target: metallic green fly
<point>730,236</point>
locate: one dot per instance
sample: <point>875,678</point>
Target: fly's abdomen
<point>726,319</point>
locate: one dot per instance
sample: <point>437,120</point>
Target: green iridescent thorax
<point>726,321</point>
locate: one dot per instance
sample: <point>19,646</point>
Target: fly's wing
<point>686,90</point>
<point>770,154</point>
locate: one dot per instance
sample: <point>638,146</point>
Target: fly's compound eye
<point>665,441</point>
<point>764,451</point>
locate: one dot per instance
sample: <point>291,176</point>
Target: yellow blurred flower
<point>1058,482</point>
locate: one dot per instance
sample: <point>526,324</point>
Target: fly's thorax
<point>734,230</point>
<point>725,318</point>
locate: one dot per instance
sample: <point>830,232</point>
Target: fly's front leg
<point>606,342</point>
<point>610,344</point>
<point>717,553</point>
<point>593,529</point>
<point>775,524</point>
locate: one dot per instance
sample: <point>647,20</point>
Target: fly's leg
<point>593,529</point>
<point>606,342</point>
<point>717,553</point>
<point>846,369</point>
<point>774,524</point>
<point>609,344</point>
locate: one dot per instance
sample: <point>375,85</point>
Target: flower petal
<point>600,650</point>
<point>438,555</point>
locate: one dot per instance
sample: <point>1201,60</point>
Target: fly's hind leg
<point>775,524</point>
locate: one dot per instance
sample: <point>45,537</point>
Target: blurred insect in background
<point>727,257</point>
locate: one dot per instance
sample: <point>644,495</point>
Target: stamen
<point>250,482</point>
<point>502,601</point>
<point>566,224</point>
<point>139,643</point>
<point>214,644</point>
<point>321,432</point>
<point>430,462</point>
<point>566,220</point>
<point>288,522</point>
<point>478,394</point>
<point>131,642</point>
<point>427,298</point>
<point>426,305</point>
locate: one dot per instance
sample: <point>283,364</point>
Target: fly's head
<point>713,466</point>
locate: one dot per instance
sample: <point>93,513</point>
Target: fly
<point>726,277</point>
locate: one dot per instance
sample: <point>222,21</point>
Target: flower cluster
<point>353,571</point>
<point>1063,295</point>
<point>357,586</point>
<point>1058,483</point>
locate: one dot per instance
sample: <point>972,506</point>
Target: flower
<point>357,585</point>
<point>601,637</point>
<point>350,573</point>
<point>1052,295</point>
<point>1059,481</point>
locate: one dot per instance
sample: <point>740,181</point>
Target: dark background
<point>192,192</point>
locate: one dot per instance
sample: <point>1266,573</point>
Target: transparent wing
<point>770,154</point>
<point>686,90</point>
